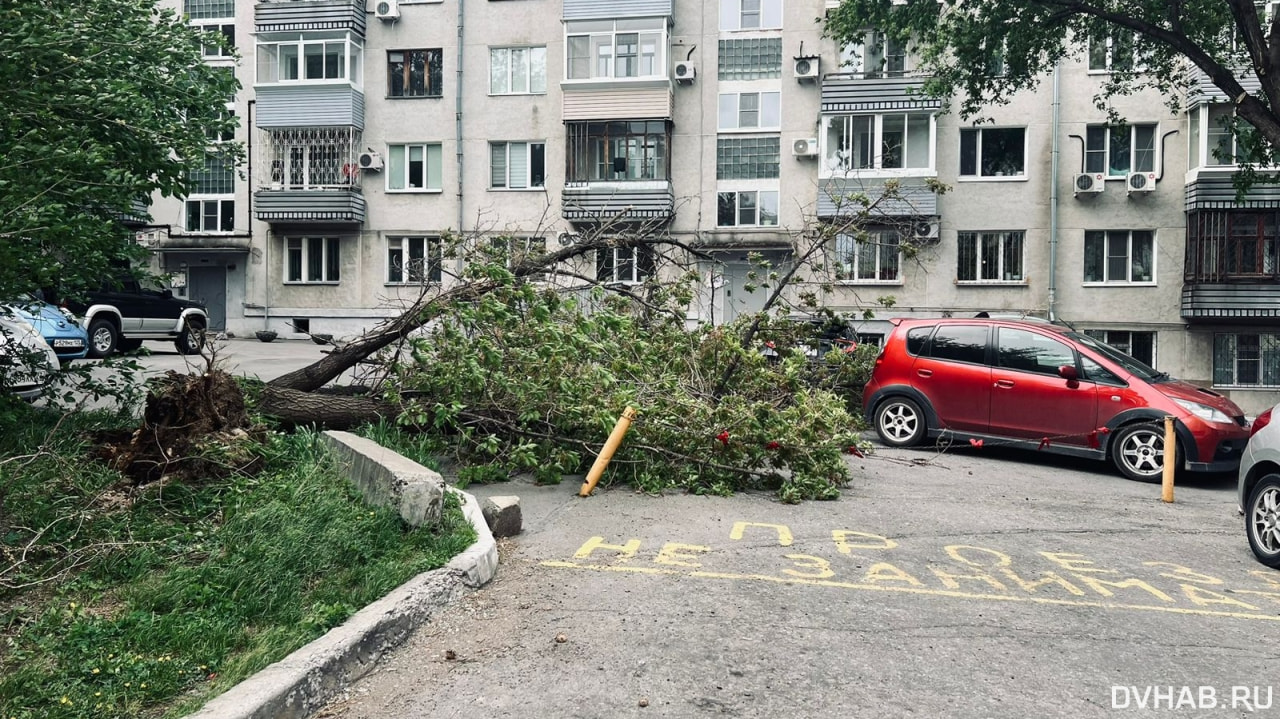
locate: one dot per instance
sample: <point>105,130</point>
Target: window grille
<point>313,158</point>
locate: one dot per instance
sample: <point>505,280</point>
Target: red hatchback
<point>1044,386</point>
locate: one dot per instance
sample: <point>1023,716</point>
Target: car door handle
<point>1004,383</point>
<point>925,372</point>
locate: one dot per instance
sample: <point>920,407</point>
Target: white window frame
<point>1128,280</point>
<point>1105,150</point>
<point>305,248</point>
<point>603,66</point>
<point>856,58</point>
<point>1021,174</point>
<point>768,111</point>
<point>222,201</point>
<point>510,71</point>
<point>427,186</point>
<point>1105,336</point>
<point>831,165</point>
<point>432,257</point>
<point>637,275</point>
<point>1109,42</point>
<point>756,193</point>
<point>738,15</point>
<point>1002,238</point>
<point>850,272</point>
<point>217,25</point>
<point>512,248</point>
<point>528,179</point>
<point>268,59</point>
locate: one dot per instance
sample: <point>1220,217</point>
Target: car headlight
<point>1203,411</point>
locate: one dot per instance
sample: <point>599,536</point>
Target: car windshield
<point>1120,358</point>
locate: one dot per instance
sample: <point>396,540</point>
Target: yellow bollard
<point>606,452</point>
<point>1170,459</point>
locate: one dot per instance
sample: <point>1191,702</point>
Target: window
<point>313,157</point>
<point>1246,360</point>
<point>1117,151</point>
<point>517,165</point>
<point>1213,138</point>
<point>414,260</point>
<point>211,48</point>
<point>1226,245</point>
<point>512,251</point>
<point>1031,352</point>
<point>878,55</point>
<point>312,259</point>
<point>960,343</point>
<point>517,70</point>
<point>621,151</point>
<point>993,152</point>
<point>217,177</point>
<point>1119,256</point>
<point>1138,345</point>
<point>414,167</point>
<point>876,257</point>
<point>298,60</point>
<point>990,257</point>
<point>748,207</point>
<point>606,49</point>
<point>755,58</point>
<point>205,9</point>
<point>918,340</point>
<point>750,110</point>
<point>750,14</point>
<point>414,73</point>
<point>624,265</point>
<point>747,158</point>
<point>1112,53</point>
<point>214,215</point>
<point>894,141</point>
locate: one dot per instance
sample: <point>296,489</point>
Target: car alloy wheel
<point>1262,520</point>
<point>900,422</point>
<point>1139,452</point>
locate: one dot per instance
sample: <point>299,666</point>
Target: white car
<point>27,362</point>
<point>1260,488</point>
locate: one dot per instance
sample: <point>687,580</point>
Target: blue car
<point>61,330</point>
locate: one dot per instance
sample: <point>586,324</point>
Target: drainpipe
<point>457,115</point>
<point>1053,195</point>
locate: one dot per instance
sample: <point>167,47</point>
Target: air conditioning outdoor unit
<point>387,10</point>
<point>1141,182</point>
<point>806,69</point>
<point>1089,182</point>
<point>805,147</point>
<point>685,72</point>
<point>925,231</point>
<point>370,161</point>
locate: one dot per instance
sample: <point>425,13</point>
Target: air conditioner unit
<point>925,231</point>
<point>1087,182</point>
<point>370,161</point>
<point>1141,182</point>
<point>806,69</point>
<point>805,147</point>
<point>387,10</point>
<point>685,72</point>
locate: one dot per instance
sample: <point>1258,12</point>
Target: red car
<point>1044,386</point>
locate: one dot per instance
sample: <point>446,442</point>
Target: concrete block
<point>502,514</point>
<point>389,479</point>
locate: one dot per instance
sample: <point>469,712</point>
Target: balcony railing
<point>327,205</point>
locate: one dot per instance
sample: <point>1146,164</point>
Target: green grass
<point>150,608</point>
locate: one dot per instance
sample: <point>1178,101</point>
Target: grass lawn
<point>117,602</point>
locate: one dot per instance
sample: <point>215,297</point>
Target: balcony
<point>1235,303</point>
<point>291,15</point>
<point>212,242</point>
<point>856,92</point>
<point>637,100</point>
<point>1201,89</point>
<point>281,106</point>
<point>915,199</point>
<point>1212,189</point>
<point>626,202</point>
<point>322,205</point>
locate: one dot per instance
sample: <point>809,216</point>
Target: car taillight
<point>1260,421</point>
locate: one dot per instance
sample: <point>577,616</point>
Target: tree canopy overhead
<point>959,42</point>
<point>105,103</point>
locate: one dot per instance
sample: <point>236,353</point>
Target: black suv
<point>123,313</point>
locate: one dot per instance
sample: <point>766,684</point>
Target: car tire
<point>1138,451</point>
<point>103,336</point>
<point>191,340</point>
<point>900,422</point>
<point>1262,520</point>
<point>127,345</point>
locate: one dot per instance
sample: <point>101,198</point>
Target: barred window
<point>747,158</point>
<point>217,177</point>
<point>1246,360</point>
<point>753,58</point>
<point>205,9</point>
<point>990,257</point>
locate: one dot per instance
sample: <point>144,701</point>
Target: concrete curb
<point>310,677</point>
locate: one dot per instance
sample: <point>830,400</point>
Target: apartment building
<point>373,129</point>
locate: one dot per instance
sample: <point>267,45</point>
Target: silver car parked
<point>1260,488</point>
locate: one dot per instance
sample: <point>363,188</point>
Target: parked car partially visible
<point>27,362</point>
<point>1259,487</point>
<point>59,327</point>
<point>815,336</point>
<point>124,312</point>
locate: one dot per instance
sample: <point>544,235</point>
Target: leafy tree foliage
<point>962,41</point>
<point>105,103</point>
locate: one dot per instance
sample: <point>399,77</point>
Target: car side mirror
<point>1068,372</point>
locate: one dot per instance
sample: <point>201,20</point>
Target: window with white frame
<point>414,260</point>
<point>208,9</point>
<point>877,55</point>
<point>518,70</point>
<point>624,265</point>
<point>517,165</point>
<point>1117,151</point>
<point>211,206</point>
<point>295,58</point>
<point>211,215</point>
<point>1112,52</point>
<point>874,256</point>
<point>512,251</point>
<point>415,73</point>
<point>993,152</point>
<point>414,167</point>
<point>750,14</point>
<point>747,208</point>
<point>614,49</point>
<point>1138,345</point>
<point>1213,139</point>
<point>222,41</point>
<point>1119,256</point>
<point>890,141</point>
<point>1246,360</point>
<point>990,257</point>
<point>750,111</point>
<point>315,260</point>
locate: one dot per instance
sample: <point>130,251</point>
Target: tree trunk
<point>330,411</point>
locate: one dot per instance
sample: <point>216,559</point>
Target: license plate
<point>68,343</point>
